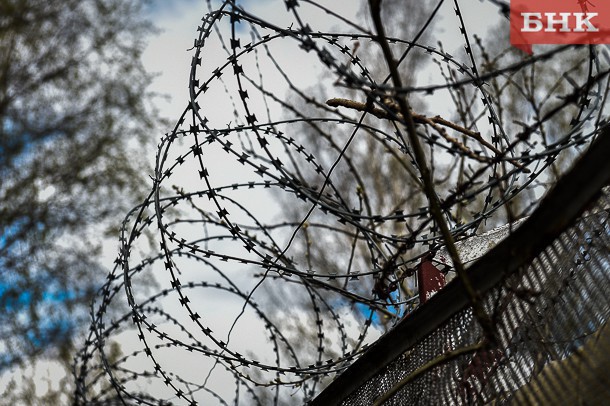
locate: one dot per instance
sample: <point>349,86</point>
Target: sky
<point>169,56</point>
<point>168,53</point>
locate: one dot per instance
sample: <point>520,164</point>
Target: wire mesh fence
<point>550,312</point>
<point>273,251</point>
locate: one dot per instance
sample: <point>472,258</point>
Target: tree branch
<point>434,122</point>
<point>420,158</point>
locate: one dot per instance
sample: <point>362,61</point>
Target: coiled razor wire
<point>259,181</point>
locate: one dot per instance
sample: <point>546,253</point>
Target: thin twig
<point>433,122</point>
<point>418,118</point>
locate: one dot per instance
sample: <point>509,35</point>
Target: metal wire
<point>255,191</point>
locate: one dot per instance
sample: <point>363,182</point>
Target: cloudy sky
<point>168,53</point>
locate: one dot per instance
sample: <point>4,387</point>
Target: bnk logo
<point>559,22</point>
<point>535,22</point>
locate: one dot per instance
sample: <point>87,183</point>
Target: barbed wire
<point>261,181</point>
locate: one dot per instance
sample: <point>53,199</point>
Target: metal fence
<point>546,291</point>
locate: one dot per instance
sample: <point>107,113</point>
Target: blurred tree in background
<point>75,120</point>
